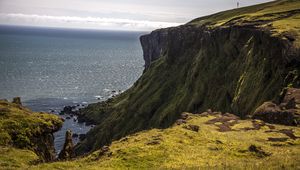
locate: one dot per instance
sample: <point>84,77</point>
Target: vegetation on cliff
<point>232,61</point>
<point>24,129</point>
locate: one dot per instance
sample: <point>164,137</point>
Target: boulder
<point>68,149</point>
<point>75,135</point>
<point>17,100</point>
<point>272,113</point>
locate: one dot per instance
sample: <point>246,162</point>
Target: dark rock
<point>67,109</point>
<point>82,137</point>
<point>180,121</point>
<point>277,139</point>
<point>291,104</point>
<point>105,149</point>
<point>68,149</point>
<point>288,133</point>
<point>272,113</point>
<point>17,100</point>
<point>258,151</point>
<point>52,111</point>
<point>75,135</point>
<point>194,128</point>
<point>114,91</point>
<point>184,116</point>
<point>68,117</point>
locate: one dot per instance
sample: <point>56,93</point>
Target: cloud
<point>83,22</point>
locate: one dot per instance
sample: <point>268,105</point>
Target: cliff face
<point>24,129</point>
<point>232,69</point>
<point>231,62</point>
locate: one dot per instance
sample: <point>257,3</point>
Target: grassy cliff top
<point>18,124</point>
<point>222,141</point>
<point>282,17</point>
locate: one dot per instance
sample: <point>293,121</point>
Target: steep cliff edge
<point>232,61</point>
<point>23,129</point>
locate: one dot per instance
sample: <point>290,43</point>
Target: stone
<point>17,100</point>
<point>67,152</point>
<point>258,151</point>
<point>194,128</point>
<point>180,121</point>
<point>291,104</point>
<point>272,113</point>
<point>75,135</point>
<point>184,116</point>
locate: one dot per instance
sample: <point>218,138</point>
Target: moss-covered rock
<point>24,129</point>
<point>68,150</point>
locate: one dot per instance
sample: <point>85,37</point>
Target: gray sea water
<point>53,68</point>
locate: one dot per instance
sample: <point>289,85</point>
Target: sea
<point>50,68</point>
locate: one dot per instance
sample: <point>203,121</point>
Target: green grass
<point>180,148</point>
<point>280,17</point>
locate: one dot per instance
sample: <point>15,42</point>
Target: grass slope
<point>223,141</point>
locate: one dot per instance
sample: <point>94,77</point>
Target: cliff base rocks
<point>287,112</point>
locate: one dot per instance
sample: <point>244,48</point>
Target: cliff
<point>23,129</point>
<point>231,61</point>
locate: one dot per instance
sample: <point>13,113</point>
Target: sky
<point>134,15</point>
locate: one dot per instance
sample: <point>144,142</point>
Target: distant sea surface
<point>52,68</point>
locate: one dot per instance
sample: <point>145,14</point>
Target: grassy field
<point>281,17</point>
<point>222,142</point>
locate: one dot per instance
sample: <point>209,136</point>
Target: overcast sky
<point>114,14</point>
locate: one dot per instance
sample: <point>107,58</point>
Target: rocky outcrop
<point>155,45</point>
<point>24,129</point>
<point>287,112</point>
<point>17,100</point>
<point>68,150</point>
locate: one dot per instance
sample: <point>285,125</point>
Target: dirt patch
<point>277,139</point>
<point>155,140</point>
<point>224,122</point>
<point>287,132</point>
<point>256,125</point>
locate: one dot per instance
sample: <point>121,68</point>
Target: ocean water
<point>53,68</point>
